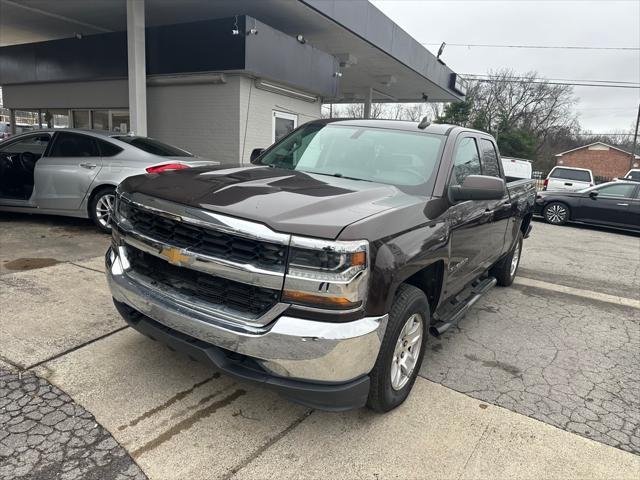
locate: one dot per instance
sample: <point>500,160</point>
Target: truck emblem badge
<point>174,256</point>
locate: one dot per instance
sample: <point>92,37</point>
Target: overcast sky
<point>603,23</point>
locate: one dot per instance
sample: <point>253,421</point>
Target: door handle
<point>88,165</point>
<point>569,184</point>
<point>622,204</point>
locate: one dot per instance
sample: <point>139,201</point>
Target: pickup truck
<point>320,269</point>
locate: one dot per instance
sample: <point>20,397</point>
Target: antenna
<point>424,123</point>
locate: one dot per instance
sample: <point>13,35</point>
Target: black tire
<point>556,213</point>
<point>505,270</point>
<point>96,210</point>
<point>383,396</point>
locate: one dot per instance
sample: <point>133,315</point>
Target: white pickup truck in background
<point>569,179</point>
<point>517,168</point>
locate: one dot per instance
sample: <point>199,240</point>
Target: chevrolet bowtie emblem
<point>175,256</point>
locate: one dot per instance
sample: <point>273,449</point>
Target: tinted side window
<point>568,174</point>
<point>108,149</point>
<point>74,145</point>
<point>466,161</point>
<point>621,190</point>
<point>489,158</point>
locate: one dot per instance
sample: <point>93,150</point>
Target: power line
<point>542,82</point>
<point>516,77</point>
<point>544,47</point>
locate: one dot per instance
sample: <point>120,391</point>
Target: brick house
<point>602,159</point>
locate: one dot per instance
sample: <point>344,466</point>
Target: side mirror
<point>593,193</point>
<point>256,152</point>
<point>478,187</point>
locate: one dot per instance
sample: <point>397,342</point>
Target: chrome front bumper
<point>288,347</point>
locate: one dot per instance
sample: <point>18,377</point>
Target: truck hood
<point>286,200</point>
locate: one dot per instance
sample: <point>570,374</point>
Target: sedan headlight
<point>327,274</point>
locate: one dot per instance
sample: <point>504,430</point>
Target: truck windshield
<point>394,157</point>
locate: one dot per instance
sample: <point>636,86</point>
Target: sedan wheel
<point>556,213</point>
<point>101,207</point>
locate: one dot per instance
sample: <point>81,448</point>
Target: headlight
<point>120,209</point>
<point>327,274</point>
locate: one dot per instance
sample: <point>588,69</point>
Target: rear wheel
<point>506,269</point>
<point>100,208</point>
<point>402,350</point>
<point>556,213</point>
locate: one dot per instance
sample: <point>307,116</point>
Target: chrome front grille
<point>205,241</point>
<point>209,262</point>
<point>218,292</point>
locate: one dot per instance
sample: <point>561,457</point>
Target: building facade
<point>605,161</point>
<point>218,79</point>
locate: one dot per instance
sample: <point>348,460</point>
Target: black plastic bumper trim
<point>329,397</point>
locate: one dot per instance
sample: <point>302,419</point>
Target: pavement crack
<point>86,268</point>
<point>77,347</point>
<point>272,441</point>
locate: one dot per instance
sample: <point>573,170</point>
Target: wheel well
<point>525,223</point>
<point>93,194</point>
<point>429,280</point>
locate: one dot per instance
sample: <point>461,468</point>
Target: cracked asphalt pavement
<point>570,362</point>
<point>44,435</point>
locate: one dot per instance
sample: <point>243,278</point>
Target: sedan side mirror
<point>478,187</point>
<point>256,152</point>
<point>593,193</point>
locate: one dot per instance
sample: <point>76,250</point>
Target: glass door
<point>81,119</point>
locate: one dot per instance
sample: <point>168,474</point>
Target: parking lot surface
<point>535,382</point>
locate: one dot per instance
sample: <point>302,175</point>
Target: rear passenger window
<point>108,149</point>
<point>569,174</point>
<point>489,158</point>
<point>466,161</point>
<point>74,145</point>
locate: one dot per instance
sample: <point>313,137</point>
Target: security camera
<point>253,31</point>
<point>300,38</point>
<point>235,31</point>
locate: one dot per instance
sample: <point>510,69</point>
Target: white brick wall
<point>259,123</point>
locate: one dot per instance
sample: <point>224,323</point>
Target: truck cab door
<point>467,221</point>
<point>64,175</point>
<point>500,235</point>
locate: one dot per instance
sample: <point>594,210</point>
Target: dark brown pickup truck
<point>320,269</point>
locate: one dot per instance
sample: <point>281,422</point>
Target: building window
<point>110,120</point>
<point>283,123</point>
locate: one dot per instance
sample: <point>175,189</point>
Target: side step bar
<point>477,291</point>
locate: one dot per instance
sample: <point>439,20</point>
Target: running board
<point>477,291</point>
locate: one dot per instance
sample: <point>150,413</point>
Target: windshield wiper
<point>338,175</point>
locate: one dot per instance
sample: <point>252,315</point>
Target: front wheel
<point>101,207</point>
<point>402,350</point>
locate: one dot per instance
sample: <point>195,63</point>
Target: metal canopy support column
<point>137,67</point>
<point>367,103</point>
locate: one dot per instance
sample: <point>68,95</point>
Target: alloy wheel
<point>556,213</point>
<point>104,207</point>
<point>407,351</point>
<point>515,258</point>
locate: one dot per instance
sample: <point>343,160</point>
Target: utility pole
<point>635,140</point>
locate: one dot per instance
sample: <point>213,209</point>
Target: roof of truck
<point>433,128</point>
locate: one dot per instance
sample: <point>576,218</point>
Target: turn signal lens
<point>318,301</point>
<point>166,167</point>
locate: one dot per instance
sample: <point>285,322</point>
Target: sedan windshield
<point>395,157</point>
<point>150,145</point>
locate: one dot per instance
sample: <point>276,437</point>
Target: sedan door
<point>609,204</point>
<point>63,177</point>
